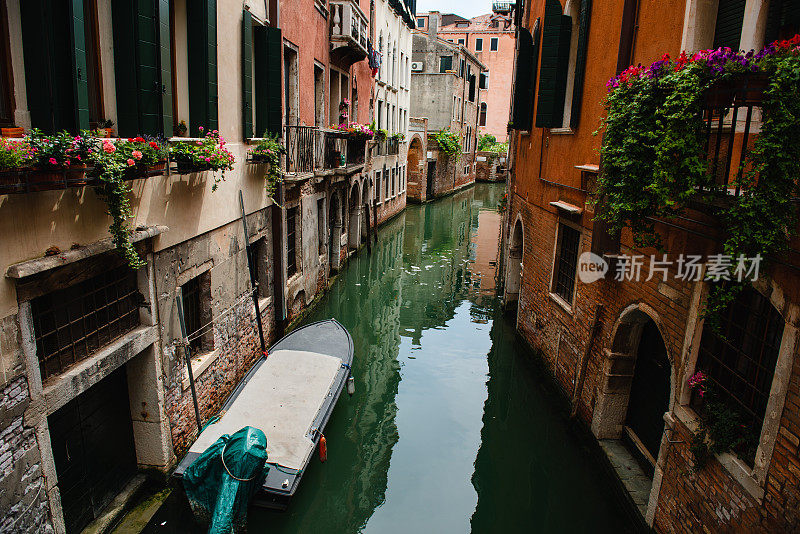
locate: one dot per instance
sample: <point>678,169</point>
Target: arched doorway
<point>636,387</point>
<point>335,229</point>
<point>514,269</point>
<point>649,397</point>
<point>415,172</point>
<point>355,217</point>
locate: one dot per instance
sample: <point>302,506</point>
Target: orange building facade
<point>491,38</point>
<point>623,351</point>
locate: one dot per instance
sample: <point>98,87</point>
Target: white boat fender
<point>351,386</point>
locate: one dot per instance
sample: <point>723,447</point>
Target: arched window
<point>482,119</point>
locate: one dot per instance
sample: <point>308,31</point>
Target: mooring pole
<point>188,352</point>
<point>369,228</point>
<point>375,216</point>
<point>252,268</point>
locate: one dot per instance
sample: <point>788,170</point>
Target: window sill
<point>735,467</point>
<point>200,363</point>
<point>561,302</point>
<point>562,131</point>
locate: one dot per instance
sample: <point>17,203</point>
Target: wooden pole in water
<point>188,351</point>
<point>253,281</point>
<point>369,228</point>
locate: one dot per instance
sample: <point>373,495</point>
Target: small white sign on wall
<point>430,154</point>
<point>481,158</point>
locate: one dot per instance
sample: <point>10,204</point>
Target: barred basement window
<point>72,323</point>
<point>291,241</point>
<point>739,359</point>
<point>196,294</point>
<point>569,240</point>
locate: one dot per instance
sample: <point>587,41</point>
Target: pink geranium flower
<point>131,163</point>
<point>53,161</point>
<point>108,148</point>
<point>136,154</point>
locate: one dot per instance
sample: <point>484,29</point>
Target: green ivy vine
<point>449,143</point>
<point>654,162</point>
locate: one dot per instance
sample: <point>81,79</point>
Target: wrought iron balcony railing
<point>310,149</point>
<point>732,109</point>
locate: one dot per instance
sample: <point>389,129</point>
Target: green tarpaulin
<point>225,477</point>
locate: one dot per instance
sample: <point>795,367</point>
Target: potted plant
<point>206,154</point>
<point>59,159</point>
<point>104,128</point>
<point>180,129</point>
<point>14,157</point>
<point>269,151</point>
<point>142,156</point>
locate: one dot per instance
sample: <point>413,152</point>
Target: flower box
<point>33,179</point>
<point>189,167</point>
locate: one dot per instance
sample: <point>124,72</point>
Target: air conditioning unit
<point>417,66</point>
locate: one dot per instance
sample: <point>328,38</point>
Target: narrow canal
<point>452,428</point>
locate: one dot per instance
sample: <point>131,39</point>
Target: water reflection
<point>450,429</point>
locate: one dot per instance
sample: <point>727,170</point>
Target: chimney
<point>433,23</point>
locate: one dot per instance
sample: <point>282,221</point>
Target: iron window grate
<point>567,261</point>
<point>739,358</point>
<point>73,323</point>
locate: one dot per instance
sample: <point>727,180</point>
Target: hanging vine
<point>654,162</point>
<point>449,143</point>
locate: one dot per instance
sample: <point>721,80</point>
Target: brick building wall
<point>726,495</point>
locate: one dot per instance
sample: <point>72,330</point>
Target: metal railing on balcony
<point>502,7</point>
<point>349,25</point>
<point>309,149</point>
<point>300,149</point>
<point>730,110</point>
<point>392,146</point>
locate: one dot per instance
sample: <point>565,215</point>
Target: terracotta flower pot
<point>13,132</point>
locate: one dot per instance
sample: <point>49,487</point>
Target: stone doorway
<point>635,392</point>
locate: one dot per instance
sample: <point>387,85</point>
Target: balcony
<point>731,114</point>
<point>349,28</point>
<point>311,150</point>
<point>502,7</point>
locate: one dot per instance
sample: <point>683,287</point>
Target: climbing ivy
<point>449,143</point>
<point>654,163</point>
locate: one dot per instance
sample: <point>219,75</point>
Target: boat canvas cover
<point>222,481</point>
<point>282,398</point>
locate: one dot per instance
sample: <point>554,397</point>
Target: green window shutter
<point>247,73</point>
<point>580,62</point>
<point>122,13</point>
<point>202,43</point>
<point>165,67</point>
<point>445,63</point>
<point>262,81</point>
<point>555,63</point>
<point>269,42</point>
<point>728,29</point>
<point>525,78</point>
<point>142,67</point>
<point>80,75</point>
<point>55,64</point>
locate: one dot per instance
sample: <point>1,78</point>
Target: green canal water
<point>453,427</point>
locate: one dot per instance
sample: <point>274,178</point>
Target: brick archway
<point>416,167</point>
